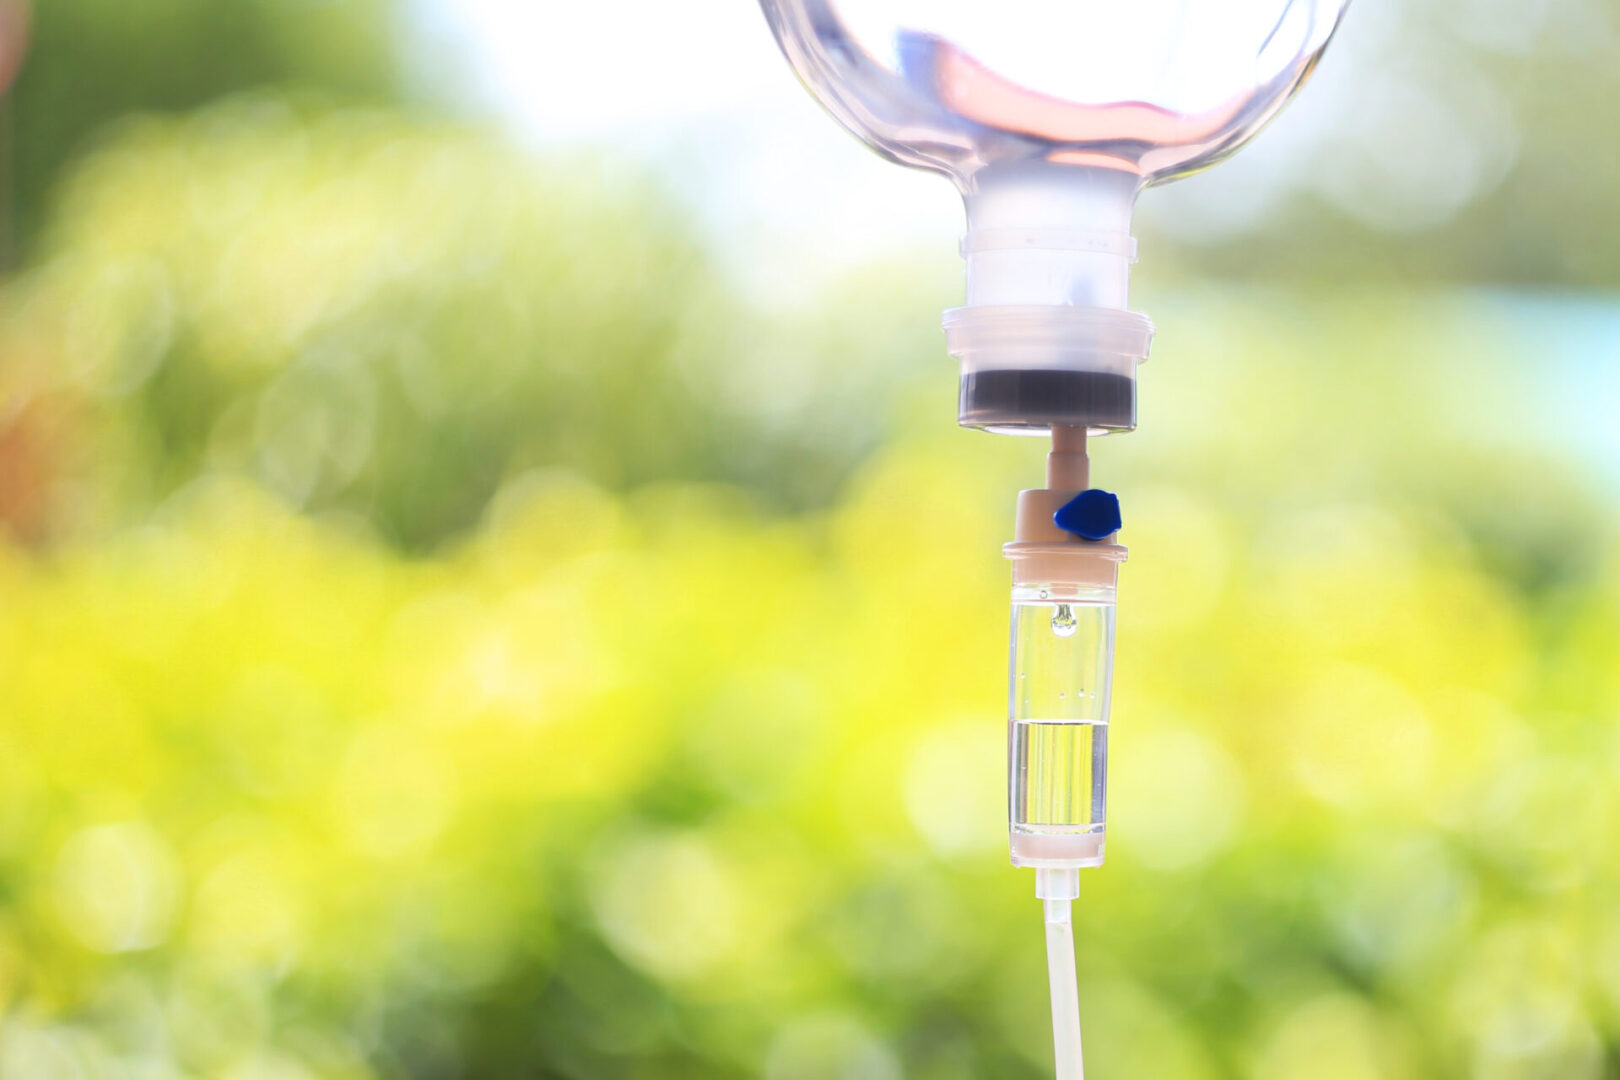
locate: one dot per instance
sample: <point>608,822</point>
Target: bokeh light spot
<point>830,1048</point>
<point>1178,799</point>
<point>956,787</point>
<point>668,903</point>
<point>394,795</point>
<point>117,887</point>
<point>1333,1037</point>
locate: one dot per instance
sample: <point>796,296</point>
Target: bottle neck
<point>1045,234</point>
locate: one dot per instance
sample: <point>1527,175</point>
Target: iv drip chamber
<point>1061,670</point>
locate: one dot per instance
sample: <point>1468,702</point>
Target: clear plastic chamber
<point>1062,674</point>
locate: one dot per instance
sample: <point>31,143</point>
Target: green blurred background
<point>461,610</point>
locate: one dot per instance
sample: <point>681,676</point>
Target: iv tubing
<point>1057,889</point>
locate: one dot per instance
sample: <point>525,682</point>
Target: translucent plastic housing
<point>1153,89</point>
<point>1061,676</point>
<point>1051,116</point>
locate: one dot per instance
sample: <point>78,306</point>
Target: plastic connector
<point>1057,883</point>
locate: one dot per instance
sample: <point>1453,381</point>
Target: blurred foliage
<point>382,695</point>
<point>93,62</point>
<point>660,785</point>
<point>1441,141</point>
<point>375,314</point>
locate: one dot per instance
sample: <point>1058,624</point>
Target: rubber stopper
<point>1091,515</point>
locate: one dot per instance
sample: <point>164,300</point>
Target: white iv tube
<point>1057,890</point>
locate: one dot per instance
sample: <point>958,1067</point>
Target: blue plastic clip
<point>1091,515</point>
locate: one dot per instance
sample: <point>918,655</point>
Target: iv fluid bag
<point>1155,89</point>
<point>1051,116</point>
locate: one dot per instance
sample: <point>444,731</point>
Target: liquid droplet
<point>1063,621</point>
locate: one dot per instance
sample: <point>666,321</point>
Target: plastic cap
<point>1093,515</point>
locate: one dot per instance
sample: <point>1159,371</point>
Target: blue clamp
<point>1091,515</point>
